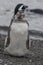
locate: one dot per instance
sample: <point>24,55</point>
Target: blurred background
<point>7,11</point>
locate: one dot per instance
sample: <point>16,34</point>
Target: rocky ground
<point>31,59</point>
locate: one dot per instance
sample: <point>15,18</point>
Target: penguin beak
<point>25,6</point>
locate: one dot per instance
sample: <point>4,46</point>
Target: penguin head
<point>19,10</point>
<point>20,7</point>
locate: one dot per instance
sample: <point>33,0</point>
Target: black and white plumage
<point>19,7</point>
<point>19,38</point>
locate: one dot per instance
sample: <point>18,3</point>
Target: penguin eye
<point>23,8</point>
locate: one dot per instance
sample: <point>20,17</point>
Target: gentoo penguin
<point>19,36</point>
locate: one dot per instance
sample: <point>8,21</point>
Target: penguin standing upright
<point>19,36</point>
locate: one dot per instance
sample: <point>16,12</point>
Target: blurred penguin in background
<point>19,33</point>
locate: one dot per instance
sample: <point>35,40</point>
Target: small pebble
<point>5,64</point>
<point>30,61</point>
<point>1,60</point>
<point>10,62</point>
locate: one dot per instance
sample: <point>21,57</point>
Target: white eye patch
<point>20,8</point>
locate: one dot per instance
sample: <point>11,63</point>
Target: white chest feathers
<point>19,27</point>
<point>18,37</point>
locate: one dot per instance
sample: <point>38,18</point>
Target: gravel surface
<point>31,59</point>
